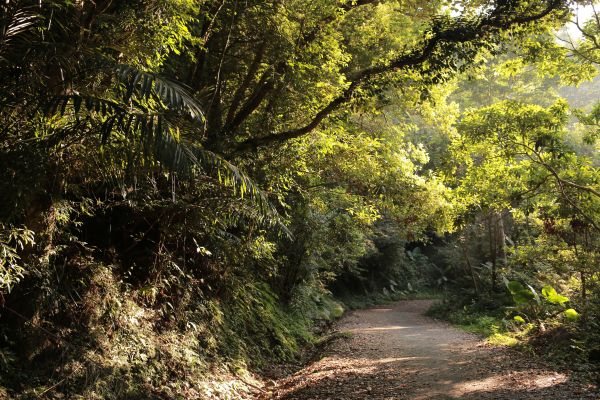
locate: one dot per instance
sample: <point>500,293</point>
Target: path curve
<point>395,352</point>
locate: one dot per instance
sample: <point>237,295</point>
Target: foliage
<point>535,307</point>
<point>12,241</point>
<point>492,326</point>
<point>525,182</point>
<point>186,184</point>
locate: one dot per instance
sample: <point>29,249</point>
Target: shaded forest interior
<point>192,190</point>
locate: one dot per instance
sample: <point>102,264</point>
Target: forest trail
<point>395,352</point>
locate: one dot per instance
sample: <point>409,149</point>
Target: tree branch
<point>267,80</point>
<point>239,93</point>
<point>493,23</point>
<point>535,157</point>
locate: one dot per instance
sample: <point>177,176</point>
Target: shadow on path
<point>397,353</point>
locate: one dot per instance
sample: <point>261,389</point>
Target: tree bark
<point>493,242</point>
<point>502,238</point>
<point>470,269</point>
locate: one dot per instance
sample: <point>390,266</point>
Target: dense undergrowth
<point>106,339</point>
<point>385,297</point>
<point>191,189</point>
<point>566,343</point>
<point>111,334</point>
<point>111,344</point>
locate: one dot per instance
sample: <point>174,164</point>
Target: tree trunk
<point>501,238</point>
<point>492,233</point>
<point>470,269</point>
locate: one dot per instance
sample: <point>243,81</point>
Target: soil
<point>395,352</point>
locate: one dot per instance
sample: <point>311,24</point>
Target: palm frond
<point>14,23</point>
<point>236,213</point>
<point>173,94</point>
<point>161,140</point>
<point>105,107</point>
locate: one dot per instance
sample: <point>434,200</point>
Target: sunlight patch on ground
<point>545,381</point>
<point>380,328</point>
<point>478,384</point>
<point>395,359</point>
<point>357,366</point>
<point>515,381</point>
<point>370,362</point>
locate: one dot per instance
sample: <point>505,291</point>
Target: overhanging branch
<point>267,80</point>
<point>495,22</point>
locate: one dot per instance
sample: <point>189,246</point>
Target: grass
<point>491,326</point>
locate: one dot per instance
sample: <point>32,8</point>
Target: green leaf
<point>572,315</point>
<point>520,293</point>
<point>519,319</point>
<point>552,296</point>
<point>515,286</point>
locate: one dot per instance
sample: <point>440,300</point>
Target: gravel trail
<point>395,352</point>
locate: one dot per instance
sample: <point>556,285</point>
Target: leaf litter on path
<point>396,353</point>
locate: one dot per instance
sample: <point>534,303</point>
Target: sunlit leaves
<point>518,148</point>
<point>12,242</point>
<point>552,296</point>
<point>572,314</point>
<point>520,294</point>
<point>519,319</point>
<point>524,299</point>
<point>592,122</point>
<point>173,94</point>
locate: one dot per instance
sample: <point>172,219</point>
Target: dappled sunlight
<point>361,365</point>
<point>354,377</point>
<point>379,329</point>
<point>404,356</point>
<point>508,382</point>
<point>544,381</point>
<point>299,199</point>
<point>477,385</point>
<point>397,359</point>
<point>346,371</point>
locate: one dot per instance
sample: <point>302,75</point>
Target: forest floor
<point>395,352</point>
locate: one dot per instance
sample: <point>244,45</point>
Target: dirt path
<point>395,352</point>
